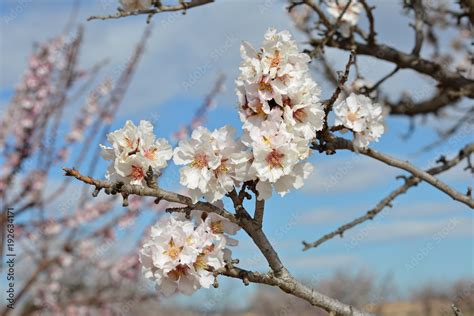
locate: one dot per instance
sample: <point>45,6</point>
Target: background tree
<point>54,245</point>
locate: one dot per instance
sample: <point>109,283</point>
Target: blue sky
<point>425,236</point>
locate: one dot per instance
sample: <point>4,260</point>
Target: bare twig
<point>370,17</point>
<point>320,13</point>
<point>183,6</point>
<point>443,98</point>
<point>418,26</point>
<point>403,60</point>
<point>409,182</point>
<point>328,104</point>
<point>114,188</point>
<point>341,143</point>
<point>383,79</point>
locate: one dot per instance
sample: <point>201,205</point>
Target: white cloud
<point>459,175</point>
<point>183,57</point>
<point>426,209</point>
<point>325,216</point>
<point>324,261</point>
<point>382,232</point>
<point>353,174</point>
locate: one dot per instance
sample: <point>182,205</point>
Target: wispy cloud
<point>183,56</point>
<point>383,232</point>
<point>458,175</point>
<point>350,175</point>
<point>324,216</point>
<point>426,209</point>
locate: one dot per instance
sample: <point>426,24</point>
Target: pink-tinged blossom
<point>179,252</point>
<point>214,162</point>
<point>277,76</point>
<point>135,149</point>
<point>281,112</point>
<point>363,117</point>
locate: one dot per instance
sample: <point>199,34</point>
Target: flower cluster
<point>134,150</point>
<point>181,253</point>
<point>280,110</point>
<point>30,106</point>
<point>214,162</point>
<point>363,117</point>
<point>349,17</point>
<point>31,95</point>
<point>279,106</point>
<point>133,5</point>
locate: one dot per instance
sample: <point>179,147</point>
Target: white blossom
<point>277,76</point>
<point>351,15</point>
<point>217,226</point>
<point>274,153</point>
<point>353,112</point>
<point>375,127</point>
<point>214,162</point>
<point>135,149</point>
<point>284,184</point>
<point>304,113</point>
<point>280,109</point>
<point>365,118</point>
<point>180,252</point>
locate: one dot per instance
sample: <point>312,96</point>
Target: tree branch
<point>183,6</point>
<point>432,105</point>
<point>292,286</point>
<point>279,276</point>
<point>403,60</point>
<point>418,26</point>
<point>319,12</point>
<point>254,230</point>
<point>341,143</point>
<point>159,193</point>
<point>370,18</point>
<point>410,182</point>
<point>259,210</point>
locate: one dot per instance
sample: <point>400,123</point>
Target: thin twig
<point>370,17</point>
<point>342,143</point>
<point>115,188</point>
<point>409,182</point>
<point>418,26</point>
<point>183,6</point>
